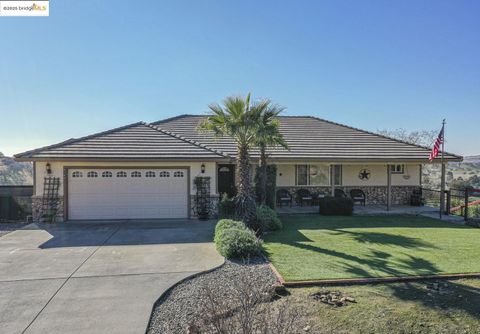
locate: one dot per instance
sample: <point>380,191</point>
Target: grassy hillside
<point>15,173</point>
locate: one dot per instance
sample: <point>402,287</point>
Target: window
<point>150,174</point>
<point>121,174</point>
<point>92,174</point>
<point>338,174</point>
<point>397,169</point>
<point>136,174</point>
<point>107,174</point>
<point>77,174</point>
<point>164,174</point>
<point>312,175</point>
<point>178,174</point>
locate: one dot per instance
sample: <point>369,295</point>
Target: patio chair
<point>339,193</point>
<point>284,196</point>
<point>358,195</point>
<point>304,196</point>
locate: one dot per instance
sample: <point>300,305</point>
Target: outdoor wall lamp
<point>202,168</point>
<point>48,168</point>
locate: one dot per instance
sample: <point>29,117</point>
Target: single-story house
<point>146,171</point>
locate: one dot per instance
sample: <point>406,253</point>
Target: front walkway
<point>96,278</point>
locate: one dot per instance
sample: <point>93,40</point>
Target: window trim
<point>122,173</point>
<point>135,174</point>
<point>92,174</point>
<point>308,176</point>
<point>393,169</point>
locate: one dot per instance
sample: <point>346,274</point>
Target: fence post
<point>465,209</point>
<point>449,201</point>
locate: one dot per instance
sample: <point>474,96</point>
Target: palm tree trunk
<point>263,175</point>
<point>245,202</point>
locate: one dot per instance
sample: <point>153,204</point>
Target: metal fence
<point>459,202</point>
<point>15,202</point>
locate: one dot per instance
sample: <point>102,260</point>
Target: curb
<point>372,280</point>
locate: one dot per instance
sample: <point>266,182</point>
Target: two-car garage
<point>127,193</point>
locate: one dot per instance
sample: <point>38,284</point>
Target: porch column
<point>332,179</point>
<point>389,187</point>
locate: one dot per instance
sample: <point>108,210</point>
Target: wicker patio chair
<point>358,195</point>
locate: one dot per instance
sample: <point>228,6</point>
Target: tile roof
<point>311,138</point>
<point>136,141</point>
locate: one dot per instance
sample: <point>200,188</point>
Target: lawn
<point>311,247</point>
<point>395,308</point>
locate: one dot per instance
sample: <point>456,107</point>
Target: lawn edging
<point>367,280</point>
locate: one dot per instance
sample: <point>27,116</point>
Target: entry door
<point>226,180</point>
<point>127,193</point>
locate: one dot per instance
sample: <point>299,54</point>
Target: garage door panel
<point>127,197</point>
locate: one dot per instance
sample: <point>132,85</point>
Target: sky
<point>95,65</point>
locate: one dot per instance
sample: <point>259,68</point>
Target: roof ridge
<point>74,140</point>
<point>378,135</point>
<point>172,118</point>
<point>190,141</point>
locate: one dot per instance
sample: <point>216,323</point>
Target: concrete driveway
<point>96,277</point>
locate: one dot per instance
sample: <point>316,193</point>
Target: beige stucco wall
<point>57,171</point>
<point>378,175</point>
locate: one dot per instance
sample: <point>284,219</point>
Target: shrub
<point>226,207</point>
<point>333,206</point>
<point>238,243</point>
<point>224,224</point>
<point>268,219</point>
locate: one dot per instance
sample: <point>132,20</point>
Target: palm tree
<point>234,118</point>
<point>268,135</point>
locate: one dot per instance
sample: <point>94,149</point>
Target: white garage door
<point>127,193</point>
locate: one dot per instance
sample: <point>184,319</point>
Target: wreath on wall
<point>364,174</point>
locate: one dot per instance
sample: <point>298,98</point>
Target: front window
<point>338,174</point>
<point>313,175</point>
<point>397,169</point>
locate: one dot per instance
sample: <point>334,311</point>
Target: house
<point>146,171</point>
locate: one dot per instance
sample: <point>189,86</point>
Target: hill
<point>15,173</point>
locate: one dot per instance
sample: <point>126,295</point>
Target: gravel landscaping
<point>175,311</point>
<point>10,227</point>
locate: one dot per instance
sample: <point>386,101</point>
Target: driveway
<point>96,277</point>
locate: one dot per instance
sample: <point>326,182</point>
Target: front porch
<point>367,210</point>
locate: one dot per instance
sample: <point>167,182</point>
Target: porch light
<point>202,168</point>
<point>48,168</point>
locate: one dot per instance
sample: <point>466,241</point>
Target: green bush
<point>333,206</point>
<point>268,219</point>
<point>238,243</point>
<point>226,207</point>
<point>224,224</point>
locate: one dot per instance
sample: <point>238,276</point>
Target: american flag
<point>436,146</point>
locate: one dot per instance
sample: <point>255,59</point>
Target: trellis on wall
<point>203,203</point>
<point>50,199</point>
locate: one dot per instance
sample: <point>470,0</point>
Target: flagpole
<point>442,186</point>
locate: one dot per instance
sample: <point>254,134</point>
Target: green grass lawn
<point>394,308</point>
<point>318,247</point>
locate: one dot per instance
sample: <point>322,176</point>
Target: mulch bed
<point>182,305</point>
<point>6,228</point>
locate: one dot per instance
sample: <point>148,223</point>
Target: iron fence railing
<point>459,202</point>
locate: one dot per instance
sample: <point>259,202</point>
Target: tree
<point>424,138</point>
<point>268,135</point>
<point>234,118</point>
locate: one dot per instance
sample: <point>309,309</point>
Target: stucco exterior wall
<point>58,166</point>
<point>378,175</point>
